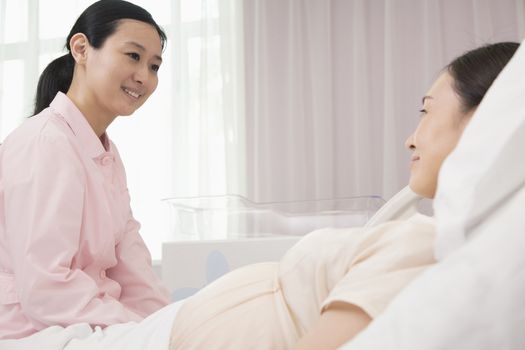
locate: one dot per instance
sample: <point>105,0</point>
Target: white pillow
<point>489,162</point>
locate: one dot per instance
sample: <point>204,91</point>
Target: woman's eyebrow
<point>142,48</point>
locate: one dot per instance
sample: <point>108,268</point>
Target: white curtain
<point>208,97</point>
<point>333,87</point>
<point>187,140</point>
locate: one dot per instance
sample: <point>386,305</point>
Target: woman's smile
<point>131,93</point>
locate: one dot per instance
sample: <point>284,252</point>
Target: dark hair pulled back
<point>475,71</point>
<point>98,22</point>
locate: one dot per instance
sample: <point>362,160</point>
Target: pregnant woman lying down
<point>332,283</point>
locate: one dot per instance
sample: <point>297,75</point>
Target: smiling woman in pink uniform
<point>70,249</point>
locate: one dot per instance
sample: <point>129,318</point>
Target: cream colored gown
<point>271,305</point>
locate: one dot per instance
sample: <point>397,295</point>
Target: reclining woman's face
<point>440,127</point>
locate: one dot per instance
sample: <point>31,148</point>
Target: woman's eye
<point>134,56</point>
<point>155,67</point>
<point>423,111</point>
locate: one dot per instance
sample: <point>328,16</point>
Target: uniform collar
<point>94,146</point>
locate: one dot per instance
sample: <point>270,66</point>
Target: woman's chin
<point>421,190</point>
<point>125,112</point>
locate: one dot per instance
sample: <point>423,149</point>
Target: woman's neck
<point>96,116</point>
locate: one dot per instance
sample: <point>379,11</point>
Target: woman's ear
<point>79,44</point>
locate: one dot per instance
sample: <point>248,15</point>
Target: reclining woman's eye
<point>134,56</point>
<point>423,111</point>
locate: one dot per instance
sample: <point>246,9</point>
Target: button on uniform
<point>106,160</point>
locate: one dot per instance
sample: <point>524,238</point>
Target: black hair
<point>98,22</point>
<point>475,71</point>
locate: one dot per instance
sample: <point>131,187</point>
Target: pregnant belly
<point>242,310</point>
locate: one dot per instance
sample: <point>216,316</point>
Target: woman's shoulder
<point>413,234</point>
<point>41,139</point>
<point>42,128</point>
<point>416,233</point>
<point>415,224</point>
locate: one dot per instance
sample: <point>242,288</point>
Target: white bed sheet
<point>153,333</point>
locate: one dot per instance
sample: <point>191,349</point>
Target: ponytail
<point>56,77</point>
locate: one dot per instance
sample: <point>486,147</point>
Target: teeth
<point>131,93</point>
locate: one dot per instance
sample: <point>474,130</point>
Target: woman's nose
<point>409,143</point>
<point>141,74</point>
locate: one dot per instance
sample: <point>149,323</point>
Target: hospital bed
<point>190,263</point>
